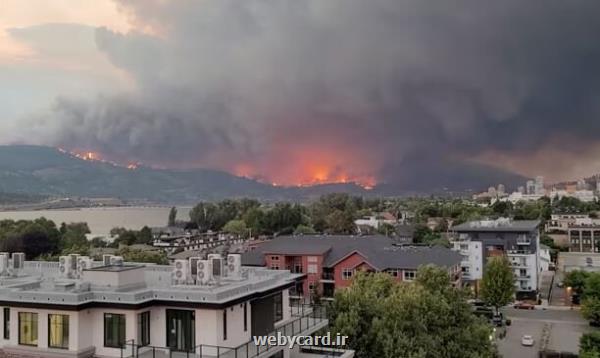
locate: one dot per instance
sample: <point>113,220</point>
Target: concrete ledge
<point>34,352</point>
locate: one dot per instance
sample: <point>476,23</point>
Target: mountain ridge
<point>39,170</point>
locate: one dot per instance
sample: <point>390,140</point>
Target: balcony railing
<point>306,318</point>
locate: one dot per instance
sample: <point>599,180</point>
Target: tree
<point>589,345</point>
<point>590,309</point>
<point>172,217</point>
<point>156,257</point>
<point>386,229</point>
<point>591,286</point>
<point>304,230</point>
<point>144,236</point>
<point>498,283</point>
<point>590,306</point>
<point>236,227</point>
<point>74,235</point>
<point>205,216</point>
<point>98,242</point>
<point>255,220</point>
<point>426,318</point>
<point>576,280</point>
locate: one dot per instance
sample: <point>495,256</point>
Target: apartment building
<point>329,262</point>
<point>201,307</point>
<point>519,240</point>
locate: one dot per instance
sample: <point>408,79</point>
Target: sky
<point>305,91</point>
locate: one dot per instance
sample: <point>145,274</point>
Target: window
<point>144,328</point>
<point>312,259</point>
<point>278,300</point>
<point>245,316</point>
<point>28,328</point>
<point>58,331</point>
<point>274,258</point>
<point>347,273</point>
<point>114,330</point>
<point>394,272</point>
<point>409,275</point>
<point>312,268</point>
<point>225,324</point>
<point>6,323</point>
<point>298,268</point>
<point>274,266</point>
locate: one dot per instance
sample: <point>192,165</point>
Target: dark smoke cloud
<point>381,83</point>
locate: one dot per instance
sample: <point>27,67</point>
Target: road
<point>564,327</point>
<point>559,295</point>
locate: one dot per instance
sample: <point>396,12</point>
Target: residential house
<point>330,262</point>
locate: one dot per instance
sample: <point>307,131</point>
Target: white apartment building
<point>195,308</point>
<point>518,240</point>
<point>472,262</point>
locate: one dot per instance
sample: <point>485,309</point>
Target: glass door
<point>181,330</point>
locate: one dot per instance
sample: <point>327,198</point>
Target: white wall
<point>473,257</point>
<point>74,328</point>
<point>87,326</point>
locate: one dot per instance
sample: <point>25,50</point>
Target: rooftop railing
<point>305,319</point>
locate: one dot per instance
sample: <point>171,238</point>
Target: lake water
<point>101,220</point>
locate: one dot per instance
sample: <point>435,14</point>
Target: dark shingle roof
<point>379,251</point>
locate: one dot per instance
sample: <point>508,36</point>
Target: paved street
<point>564,326</point>
<point>559,295</point>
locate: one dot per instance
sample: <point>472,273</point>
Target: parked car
<point>497,320</point>
<point>523,306</point>
<point>527,340</point>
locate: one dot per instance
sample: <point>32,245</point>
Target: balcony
<point>306,319</point>
<point>523,277</point>
<point>519,252</point>
<point>523,241</point>
<point>328,276</point>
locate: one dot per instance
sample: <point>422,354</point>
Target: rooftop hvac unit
<point>64,266</point>
<point>18,260</point>
<point>73,261</point>
<point>234,265</point>
<point>116,261</point>
<point>217,264</point>
<point>3,263</point>
<point>205,272</point>
<point>180,271</point>
<point>106,259</point>
<point>83,263</point>
<point>193,265</point>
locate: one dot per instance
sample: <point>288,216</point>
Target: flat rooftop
<point>499,225</point>
<point>114,268</point>
<point>40,282</point>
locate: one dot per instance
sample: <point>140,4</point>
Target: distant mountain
<point>48,171</point>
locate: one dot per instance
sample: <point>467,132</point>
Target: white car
<point>527,340</point>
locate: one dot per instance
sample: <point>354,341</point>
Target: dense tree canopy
<point>427,318</point>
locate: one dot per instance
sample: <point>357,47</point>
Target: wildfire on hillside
<point>97,157</point>
<point>301,169</point>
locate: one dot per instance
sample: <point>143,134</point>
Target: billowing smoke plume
<point>342,89</point>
